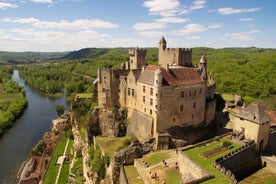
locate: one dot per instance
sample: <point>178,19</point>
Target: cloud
<point>42,1</point>
<point>63,24</point>
<point>243,36</point>
<point>4,5</point>
<point>246,19</point>
<point>148,26</point>
<point>31,39</point>
<point>161,7</point>
<point>19,20</point>
<point>228,11</point>
<point>173,20</point>
<point>190,28</point>
<point>198,4</point>
<point>192,37</point>
<point>214,26</point>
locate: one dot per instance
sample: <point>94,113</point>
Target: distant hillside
<point>99,53</point>
<point>29,57</point>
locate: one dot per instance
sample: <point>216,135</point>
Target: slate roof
<point>172,77</point>
<point>254,113</point>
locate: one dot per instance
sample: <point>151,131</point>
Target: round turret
<point>158,77</point>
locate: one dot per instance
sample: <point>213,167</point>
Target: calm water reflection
<point>17,142</point>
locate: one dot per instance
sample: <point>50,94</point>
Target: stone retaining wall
<point>239,163</point>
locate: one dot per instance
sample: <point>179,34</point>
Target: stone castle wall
<point>253,131</point>
<point>141,125</point>
<point>175,56</point>
<point>239,163</point>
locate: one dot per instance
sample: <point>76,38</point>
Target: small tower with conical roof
<point>203,67</point>
<point>162,43</point>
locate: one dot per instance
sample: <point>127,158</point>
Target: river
<point>17,142</point>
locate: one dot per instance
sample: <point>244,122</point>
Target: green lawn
<point>156,158</point>
<point>52,170</point>
<point>173,176</point>
<point>194,154</point>
<point>84,95</point>
<point>132,175</point>
<point>227,97</point>
<point>113,144</point>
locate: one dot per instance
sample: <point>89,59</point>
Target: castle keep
<point>160,97</point>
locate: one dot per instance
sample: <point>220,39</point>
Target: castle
<point>160,97</point>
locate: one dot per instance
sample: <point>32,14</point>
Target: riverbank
<point>12,101</point>
<point>34,168</point>
<point>18,141</point>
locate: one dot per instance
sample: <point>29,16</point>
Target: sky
<point>67,25</point>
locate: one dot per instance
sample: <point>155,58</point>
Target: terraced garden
<point>196,155</point>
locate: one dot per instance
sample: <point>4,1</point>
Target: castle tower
<point>162,43</point>
<point>157,88</point>
<point>203,67</point>
<point>137,58</point>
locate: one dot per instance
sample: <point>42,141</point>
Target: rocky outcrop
<point>183,136</point>
<point>113,122</point>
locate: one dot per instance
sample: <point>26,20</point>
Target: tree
<point>60,109</point>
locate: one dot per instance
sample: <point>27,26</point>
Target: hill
<point>113,54</point>
<point>29,57</point>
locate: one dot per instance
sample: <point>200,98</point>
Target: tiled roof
<point>254,113</point>
<point>173,77</point>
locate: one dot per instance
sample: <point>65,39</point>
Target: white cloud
<point>190,28</point>
<point>214,26</point>
<point>20,20</point>
<point>198,4</point>
<point>31,39</point>
<point>149,26</point>
<point>228,11</point>
<point>42,1</point>
<point>4,5</point>
<point>192,37</point>
<point>243,36</point>
<point>246,19</point>
<point>161,7</point>
<point>63,24</point>
<point>174,20</point>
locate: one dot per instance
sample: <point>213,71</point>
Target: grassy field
<point>194,154</point>
<point>52,170</point>
<point>263,176</point>
<point>155,158</point>
<point>132,175</point>
<point>113,144</point>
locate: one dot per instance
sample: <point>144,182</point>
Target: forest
<point>249,72</point>
<point>12,99</point>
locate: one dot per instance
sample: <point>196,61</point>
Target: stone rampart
<point>186,164</point>
<point>239,163</point>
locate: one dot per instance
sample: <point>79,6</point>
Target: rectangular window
<point>132,92</point>
<point>151,91</point>
<point>194,105</point>
<point>128,91</point>
<point>181,108</point>
<point>182,94</point>
<point>144,89</point>
<point>151,101</point>
<point>150,112</point>
<point>144,99</point>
